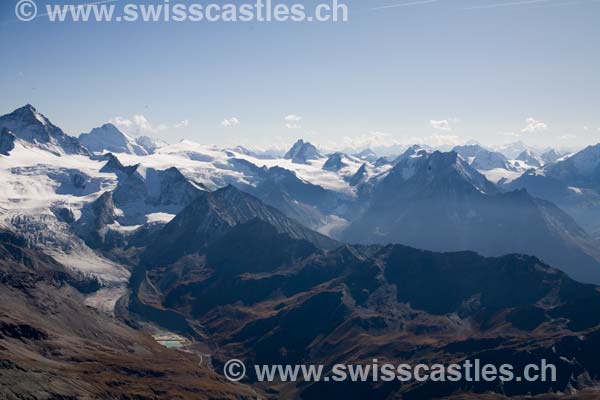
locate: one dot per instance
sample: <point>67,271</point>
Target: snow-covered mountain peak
<point>550,156</point>
<point>414,151</point>
<point>512,150</point>
<point>150,144</point>
<point>115,166</point>
<point>335,162</point>
<point>367,155</point>
<point>438,161</point>
<point>359,176</point>
<point>446,168</point>
<point>530,158</point>
<point>109,138</point>
<point>30,115</point>
<point>27,124</point>
<point>302,151</point>
<point>581,169</point>
<point>481,158</point>
<point>588,159</point>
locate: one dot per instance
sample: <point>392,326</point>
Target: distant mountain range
<point>482,159</point>
<point>301,258</point>
<point>434,200</point>
<point>437,201</point>
<point>573,183</point>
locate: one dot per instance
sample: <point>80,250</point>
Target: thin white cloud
<point>532,126</point>
<point>182,124</point>
<point>122,123</point>
<point>230,122</point>
<point>292,121</point>
<point>406,4</point>
<point>509,4</point>
<point>441,125</point>
<point>142,123</point>
<point>378,140</point>
<point>370,139</point>
<point>438,140</point>
<point>292,118</point>
<point>139,124</point>
<point>511,134</point>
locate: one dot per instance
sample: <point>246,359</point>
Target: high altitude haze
<point>439,72</point>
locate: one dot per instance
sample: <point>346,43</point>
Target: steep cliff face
<point>7,141</point>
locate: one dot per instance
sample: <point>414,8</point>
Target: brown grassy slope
<point>54,347</point>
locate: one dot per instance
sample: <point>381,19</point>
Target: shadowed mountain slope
<point>54,347</point>
<point>436,201</point>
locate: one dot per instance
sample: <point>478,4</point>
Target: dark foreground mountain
<point>268,298</point>
<point>213,215</point>
<point>7,141</point>
<point>54,347</point>
<point>437,201</point>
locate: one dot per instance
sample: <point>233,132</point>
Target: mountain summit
<point>529,158</point>
<point>481,158</point>
<point>582,169</point>
<point>27,124</point>
<point>109,138</point>
<point>212,215</point>
<point>302,151</point>
<point>335,162</point>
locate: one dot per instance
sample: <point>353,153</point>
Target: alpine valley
<point>134,269</point>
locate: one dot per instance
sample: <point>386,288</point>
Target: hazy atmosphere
<point>435,71</point>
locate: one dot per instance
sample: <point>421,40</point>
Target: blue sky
<point>442,71</point>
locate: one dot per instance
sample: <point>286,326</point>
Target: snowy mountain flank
<point>482,159</point>
<point>92,200</point>
<point>108,138</point>
<point>302,152</point>
<point>32,127</point>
